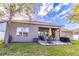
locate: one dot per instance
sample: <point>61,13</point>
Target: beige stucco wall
<point>33,32</point>
<point>68,34</point>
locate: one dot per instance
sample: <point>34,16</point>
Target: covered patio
<point>53,34</point>
<point>46,32</point>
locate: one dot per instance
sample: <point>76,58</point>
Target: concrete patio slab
<point>53,43</point>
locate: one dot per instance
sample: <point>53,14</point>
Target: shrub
<point>1,41</point>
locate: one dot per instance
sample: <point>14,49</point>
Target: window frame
<point>23,30</point>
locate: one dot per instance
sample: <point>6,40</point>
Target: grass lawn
<point>34,49</point>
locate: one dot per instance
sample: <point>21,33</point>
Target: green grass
<point>34,49</point>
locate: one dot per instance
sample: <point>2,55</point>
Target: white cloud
<point>45,9</point>
<point>57,8</point>
<point>65,3</point>
<point>42,13</point>
<point>49,7</point>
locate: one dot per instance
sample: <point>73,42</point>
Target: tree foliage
<point>74,15</point>
<point>13,8</point>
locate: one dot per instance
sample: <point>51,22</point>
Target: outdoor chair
<point>50,39</point>
<point>53,38</point>
<point>41,38</point>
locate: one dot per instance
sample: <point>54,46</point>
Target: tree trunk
<point>7,33</point>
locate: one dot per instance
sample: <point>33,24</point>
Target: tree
<point>11,9</point>
<point>74,15</point>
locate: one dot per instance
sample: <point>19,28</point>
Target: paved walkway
<point>53,43</point>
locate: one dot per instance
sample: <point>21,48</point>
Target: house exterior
<point>25,31</point>
<point>66,33</point>
<point>76,34</point>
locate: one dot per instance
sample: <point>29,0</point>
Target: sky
<point>53,13</point>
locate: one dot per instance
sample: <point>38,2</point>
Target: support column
<point>59,33</point>
<point>50,32</point>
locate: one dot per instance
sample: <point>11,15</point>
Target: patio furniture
<point>64,39</point>
<point>53,38</point>
<point>50,39</point>
<point>41,38</point>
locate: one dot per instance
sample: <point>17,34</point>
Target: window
<point>43,33</point>
<point>22,31</point>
